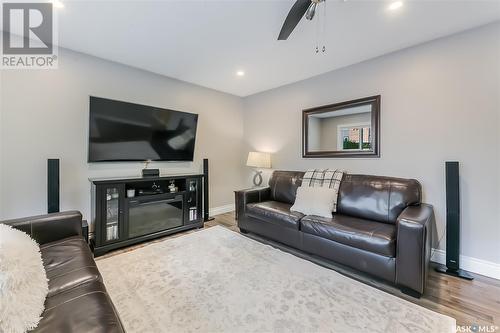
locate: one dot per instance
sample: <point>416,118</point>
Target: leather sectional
<point>380,227</point>
<point>77,300</point>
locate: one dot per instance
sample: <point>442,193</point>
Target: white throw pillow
<point>314,201</point>
<point>23,281</point>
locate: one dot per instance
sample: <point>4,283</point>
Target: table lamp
<point>258,160</point>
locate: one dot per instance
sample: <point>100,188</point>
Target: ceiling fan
<point>299,8</point>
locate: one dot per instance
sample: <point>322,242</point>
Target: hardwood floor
<point>471,303</point>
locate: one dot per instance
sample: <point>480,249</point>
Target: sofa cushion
<point>275,212</point>
<point>284,184</point>
<point>368,235</point>
<point>377,198</point>
<point>84,308</point>
<point>68,263</point>
<point>314,201</point>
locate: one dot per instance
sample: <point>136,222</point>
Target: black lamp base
<point>454,272</point>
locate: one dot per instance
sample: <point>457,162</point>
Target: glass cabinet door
<point>193,200</point>
<point>112,215</point>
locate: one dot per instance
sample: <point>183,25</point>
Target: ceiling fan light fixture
<point>311,11</point>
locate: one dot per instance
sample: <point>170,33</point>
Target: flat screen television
<point>121,131</point>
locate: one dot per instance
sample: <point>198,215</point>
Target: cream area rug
<point>217,280</point>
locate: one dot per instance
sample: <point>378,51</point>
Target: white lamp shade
<point>259,160</point>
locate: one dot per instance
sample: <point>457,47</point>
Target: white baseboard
<point>221,209</point>
<point>478,266</point>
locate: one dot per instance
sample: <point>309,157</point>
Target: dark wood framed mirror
<point>346,129</point>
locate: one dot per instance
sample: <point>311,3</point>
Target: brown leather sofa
<point>380,227</point>
<point>77,300</point>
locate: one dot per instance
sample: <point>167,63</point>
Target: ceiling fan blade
<point>298,10</point>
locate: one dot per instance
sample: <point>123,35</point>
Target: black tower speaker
<point>52,186</point>
<point>206,215</point>
<point>453,223</point>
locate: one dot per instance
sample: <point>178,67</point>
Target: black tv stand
<point>154,211</point>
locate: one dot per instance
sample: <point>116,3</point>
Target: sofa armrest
<point>50,227</point>
<point>414,235</point>
<point>244,197</point>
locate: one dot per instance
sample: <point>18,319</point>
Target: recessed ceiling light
<point>395,5</point>
<point>240,73</point>
<point>58,4</point>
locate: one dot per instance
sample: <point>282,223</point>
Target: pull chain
<point>321,28</point>
<point>324,27</point>
<point>317,36</point>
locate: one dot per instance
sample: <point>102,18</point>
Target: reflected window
<point>354,137</point>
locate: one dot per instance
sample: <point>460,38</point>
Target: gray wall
<point>45,115</point>
<point>314,134</point>
<point>440,101</point>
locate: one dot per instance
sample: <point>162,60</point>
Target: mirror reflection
<point>344,128</point>
<point>348,129</point>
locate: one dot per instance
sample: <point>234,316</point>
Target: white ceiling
<point>206,42</point>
